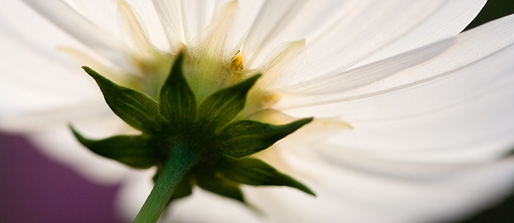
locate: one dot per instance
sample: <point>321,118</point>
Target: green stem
<point>181,160</point>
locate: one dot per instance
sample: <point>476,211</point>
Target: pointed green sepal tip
<point>177,102</point>
<point>246,137</point>
<point>217,184</point>
<point>232,141</point>
<point>135,108</point>
<point>253,171</point>
<point>130,150</point>
<point>221,107</point>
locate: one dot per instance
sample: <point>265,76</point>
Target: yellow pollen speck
<point>236,63</point>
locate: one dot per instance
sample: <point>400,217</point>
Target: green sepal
<point>177,102</point>
<point>130,150</point>
<point>135,108</point>
<point>252,171</point>
<point>221,107</point>
<point>220,185</point>
<point>246,137</point>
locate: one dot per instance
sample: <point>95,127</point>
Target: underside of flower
<point>191,142</point>
<point>408,109</point>
<point>200,121</point>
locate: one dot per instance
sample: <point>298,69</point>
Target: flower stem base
<point>180,161</point>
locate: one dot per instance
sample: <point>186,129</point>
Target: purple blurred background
<point>33,188</point>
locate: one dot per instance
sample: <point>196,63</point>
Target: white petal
<point>273,16</point>
<point>103,14</point>
<point>470,132</point>
<point>135,35</point>
<point>486,48</point>
<point>282,22</point>
<point>78,25</point>
<point>449,20</point>
<point>333,85</point>
<point>456,107</point>
<point>35,76</point>
<point>170,16</point>
<point>151,26</point>
<point>37,118</point>
<point>247,12</point>
<point>364,28</point>
<point>347,194</point>
<point>195,16</point>
<point>183,21</point>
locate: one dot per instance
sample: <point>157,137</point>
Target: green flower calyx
<point>190,142</point>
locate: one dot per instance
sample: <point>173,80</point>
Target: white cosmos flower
<point>414,120</point>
